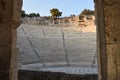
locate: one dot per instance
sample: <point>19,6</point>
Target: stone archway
<point>9,20</point>
<point>107,14</point>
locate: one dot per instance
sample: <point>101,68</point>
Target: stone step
<point>71,70</point>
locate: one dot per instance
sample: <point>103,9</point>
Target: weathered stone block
<point>112,32</point>
<point>112,24</point>
<point>4,58</point>
<point>5,35</point>
<point>110,2</point>
<point>113,64</point>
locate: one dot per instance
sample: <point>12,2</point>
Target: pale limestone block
<point>113,61</point>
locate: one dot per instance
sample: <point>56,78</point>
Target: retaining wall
<point>40,75</point>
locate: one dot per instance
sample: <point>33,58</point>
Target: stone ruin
<point>88,20</point>
<point>108,22</point>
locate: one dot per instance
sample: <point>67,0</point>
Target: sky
<point>67,7</point>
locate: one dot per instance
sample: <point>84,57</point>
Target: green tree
<point>55,13</point>
<point>23,14</point>
<point>72,15</point>
<point>37,15</point>
<point>87,11</point>
<point>34,15</point>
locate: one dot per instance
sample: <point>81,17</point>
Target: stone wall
<point>39,75</point>
<point>9,21</point>
<point>108,26</point>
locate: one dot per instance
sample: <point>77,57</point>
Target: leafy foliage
<point>55,13</point>
<point>72,15</point>
<point>23,14</point>
<point>87,12</point>
<point>34,15</point>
